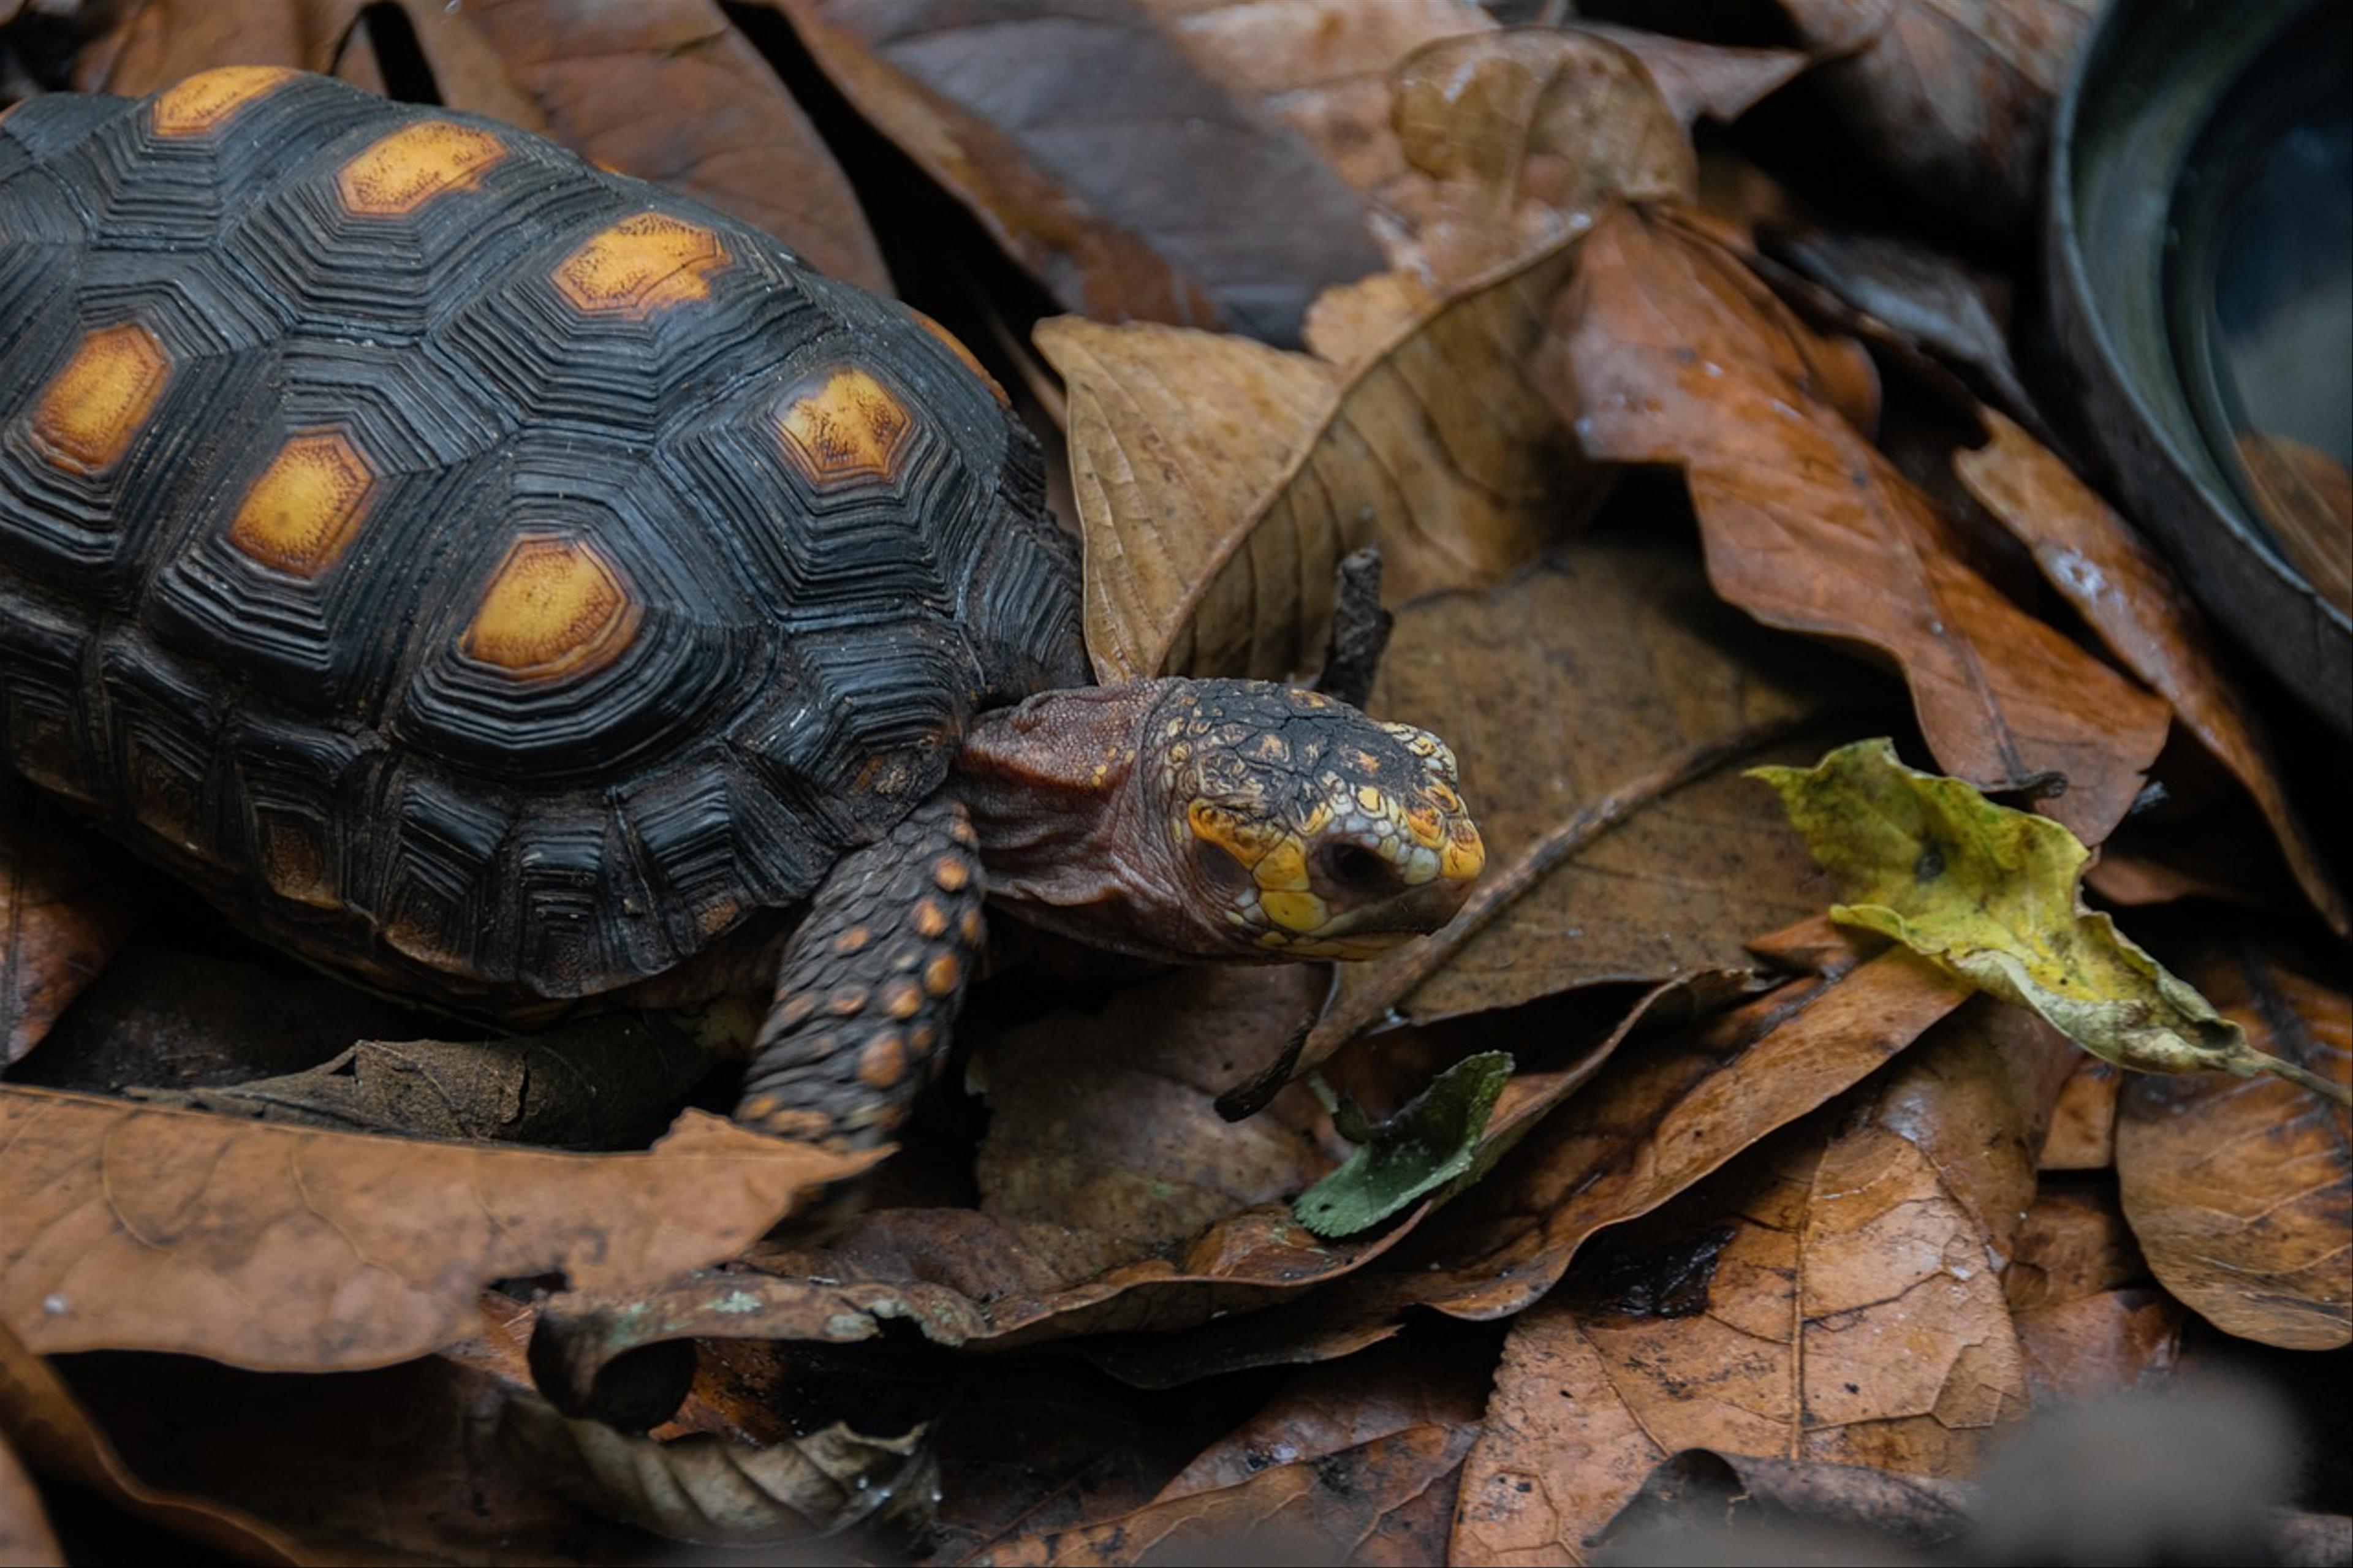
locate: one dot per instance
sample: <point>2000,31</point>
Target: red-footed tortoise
<point>504,582</point>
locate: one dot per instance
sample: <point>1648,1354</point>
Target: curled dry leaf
<point>2241,1191</point>
<point>62,916</point>
<point>1129,182</point>
<point>1602,665</point>
<point>1698,80</point>
<point>283,1247</point>
<point>705,1489</point>
<point>1220,482</point>
<point>2133,601</point>
<point>1669,350</point>
<point>664,89</point>
<point>1836,1301</point>
<point>1524,135</point>
<point>1953,96</point>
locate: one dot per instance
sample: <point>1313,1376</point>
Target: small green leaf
<point>1429,1142</point>
<point>1994,896</point>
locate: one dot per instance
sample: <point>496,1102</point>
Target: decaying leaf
<point>1669,349</point>
<point>667,90</point>
<point>281,1247</point>
<point>1954,97</point>
<point>1524,136</point>
<point>1428,1143</point>
<point>1994,896</point>
<point>2132,599</point>
<point>1101,157</point>
<point>2240,1192</point>
<point>1830,1299</point>
<point>1221,482</point>
<point>63,913</point>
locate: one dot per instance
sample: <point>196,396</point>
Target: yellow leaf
<point>1992,895</point>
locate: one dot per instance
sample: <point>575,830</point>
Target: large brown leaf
<point>1954,97</point>
<point>2240,1190</point>
<point>1602,665</point>
<point>279,1248</point>
<point>1671,351</point>
<point>2127,594</point>
<point>1220,482</point>
<point>63,913</point>
<point>664,89</point>
<point>1127,180</point>
<point>1833,1300</point>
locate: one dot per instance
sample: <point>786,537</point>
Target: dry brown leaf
<point>1700,81</point>
<point>2072,1244</point>
<point>1523,136</point>
<point>1671,352</point>
<point>281,1247</point>
<point>1834,1300</point>
<point>2083,1123</point>
<point>1221,482</point>
<point>2133,601</point>
<point>42,1419</point>
<point>1703,1505</point>
<point>2240,1190</point>
<point>2093,1346</point>
<point>1598,667</point>
<point>1326,1472</point>
<point>1953,96</point>
<point>1131,185</point>
<point>63,913</point>
<point>1323,67</point>
<point>26,1537</point>
<point>2307,498</point>
<point>664,89</point>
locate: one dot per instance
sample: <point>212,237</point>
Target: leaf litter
<point>1730,1138</point>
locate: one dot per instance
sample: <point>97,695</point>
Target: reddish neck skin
<point>1064,836</point>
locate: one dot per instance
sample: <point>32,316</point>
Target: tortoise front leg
<point>870,986</point>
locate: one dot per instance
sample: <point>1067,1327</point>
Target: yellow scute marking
<point>408,168</point>
<point>212,98</point>
<point>640,266</point>
<point>554,606</point>
<point>849,427</point>
<point>301,514</point>
<point>93,410</point>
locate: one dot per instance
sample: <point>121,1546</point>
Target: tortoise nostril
<point>1354,866</point>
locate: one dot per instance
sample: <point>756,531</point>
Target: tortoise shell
<point>482,573</point>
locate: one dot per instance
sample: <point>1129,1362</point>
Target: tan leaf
<point>2307,498</point>
<point>26,1537</point>
<point>2132,600</point>
<point>63,913</point>
<point>1524,136</point>
<point>1597,667</point>
<point>279,1248</point>
<point>1220,482</point>
<point>1954,97</point>
<point>1671,351</point>
<point>2240,1192</point>
<point>1130,182</point>
<point>2083,1123</point>
<point>1834,1300</point>
<point>1701,80</point>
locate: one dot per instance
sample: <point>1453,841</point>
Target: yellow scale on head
<point>93,411</point>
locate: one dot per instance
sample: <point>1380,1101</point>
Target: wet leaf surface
<point>2241,1191</point>
<point>284,1247</point>
<point>1671,351</point>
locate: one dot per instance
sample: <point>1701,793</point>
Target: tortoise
<point>505,584</point>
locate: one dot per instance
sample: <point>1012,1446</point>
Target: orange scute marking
<point>211,99</point>
<point>849,427</point>
<point>302,512</point>
<point>956,346</point>
<point>640,266</point>
<point>554,606</point>
<point>414,164</point>
<point>93,410</point>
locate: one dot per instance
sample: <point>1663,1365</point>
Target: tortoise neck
<point>1048,784</point>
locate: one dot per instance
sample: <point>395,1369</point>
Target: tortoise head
<point>1301,826</point>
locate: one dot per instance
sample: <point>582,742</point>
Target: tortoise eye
<point>1354,866</point>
